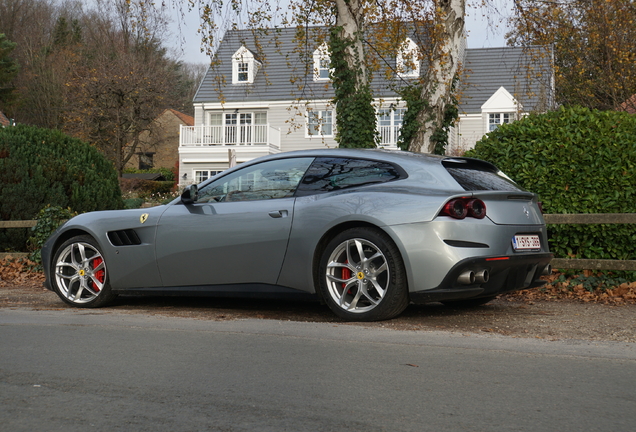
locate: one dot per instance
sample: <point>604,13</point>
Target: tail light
<point>455,208</point>
<point>459,208</point>
<point>477,208</point>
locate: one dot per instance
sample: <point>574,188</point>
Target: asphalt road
<point>80,371</point>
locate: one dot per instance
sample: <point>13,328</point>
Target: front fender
<point>128,265</point>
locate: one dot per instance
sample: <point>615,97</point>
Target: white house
<point>260,97</point>
<point>501,85</point>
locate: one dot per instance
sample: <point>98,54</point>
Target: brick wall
<point>162,141</point>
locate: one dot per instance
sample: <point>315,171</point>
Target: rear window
<point>331,174</point>
<point>475,175</point>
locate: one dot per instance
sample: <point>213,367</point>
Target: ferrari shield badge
<point>143,218</point>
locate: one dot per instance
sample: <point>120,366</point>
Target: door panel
<point>223,243</point>
<point>236,232</point>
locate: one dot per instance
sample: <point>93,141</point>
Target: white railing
<point>389,135</point>
<point>229,135</point>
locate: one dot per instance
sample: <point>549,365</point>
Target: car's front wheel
<point>362,276</point>
<point>79,273</point>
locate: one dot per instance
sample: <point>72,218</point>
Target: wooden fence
<point>16,224</point>
<point>592,218</point>
<point>550,219</point>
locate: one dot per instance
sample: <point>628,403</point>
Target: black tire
<point>468,303</point>
<point>79,274</point>
<point>373,288</point>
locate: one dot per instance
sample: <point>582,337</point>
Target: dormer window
<point>500,108</point>
<point>408,59</point>
<point>322,63</point>
<point>243,72</point>
<point>244,66</point>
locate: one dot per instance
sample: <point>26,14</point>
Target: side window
<point>267,180</point>
<point>329,174</point>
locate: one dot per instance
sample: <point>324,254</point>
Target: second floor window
<point>320,123</point>
<point>322,63</point>
<point>249,128</point>
<point>145,161</point>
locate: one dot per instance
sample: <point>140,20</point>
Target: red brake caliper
<point>99,275</point>
<point>346,274</point>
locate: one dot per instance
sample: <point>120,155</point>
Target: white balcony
<point>202,145</point>
<point>232,136</point>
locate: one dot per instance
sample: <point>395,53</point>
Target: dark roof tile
<point>285,77</point>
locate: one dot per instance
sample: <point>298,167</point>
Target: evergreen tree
<point>8,69</point>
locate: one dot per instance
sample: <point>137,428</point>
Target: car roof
<point>423,170</point>
<point>396,156</point>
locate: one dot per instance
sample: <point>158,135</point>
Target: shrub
<point>49,219</point>
<point>40,167</point>
<point>145,188</point>
<point>167,173</point>
<point>133,203</point>
<point>578,161</point>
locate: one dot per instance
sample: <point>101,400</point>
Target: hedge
<point>579,161</point>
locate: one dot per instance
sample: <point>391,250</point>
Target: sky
<point>480,34</point>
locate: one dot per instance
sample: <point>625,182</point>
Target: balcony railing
<point>232,135</point>
<point>389,136</point>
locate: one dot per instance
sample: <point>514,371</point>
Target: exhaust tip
<point>547,270</point>
<point>467,278</point>
<point>482,276</point>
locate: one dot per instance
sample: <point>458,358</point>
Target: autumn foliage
<point>19,272</point>
<point>594,43</point>
<point>92,71</point>
<point>589,287</point>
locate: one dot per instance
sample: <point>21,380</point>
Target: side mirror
<point>190,194</point>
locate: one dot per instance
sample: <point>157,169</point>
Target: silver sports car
<point>365,231</point>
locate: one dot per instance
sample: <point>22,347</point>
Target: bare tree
<point>119,89</point>
<point>95,72</point>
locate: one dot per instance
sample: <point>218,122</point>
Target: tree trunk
<point>443,65</point>
<point>350,19</point>
<point>355,115</point>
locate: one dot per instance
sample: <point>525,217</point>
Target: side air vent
<point>124,238</point>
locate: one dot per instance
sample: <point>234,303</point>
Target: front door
<point>236,232</point>
<point>222,243</point>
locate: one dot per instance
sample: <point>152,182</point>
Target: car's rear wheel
<point>468,303</point>
<point>362,276</point>
<point>79,273</point>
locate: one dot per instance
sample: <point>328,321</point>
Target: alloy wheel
<point>80,272</point>
<point>357,275</point>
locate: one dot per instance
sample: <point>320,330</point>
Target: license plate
<point>526,242</point>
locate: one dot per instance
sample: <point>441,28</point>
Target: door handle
<point>278,214</point>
